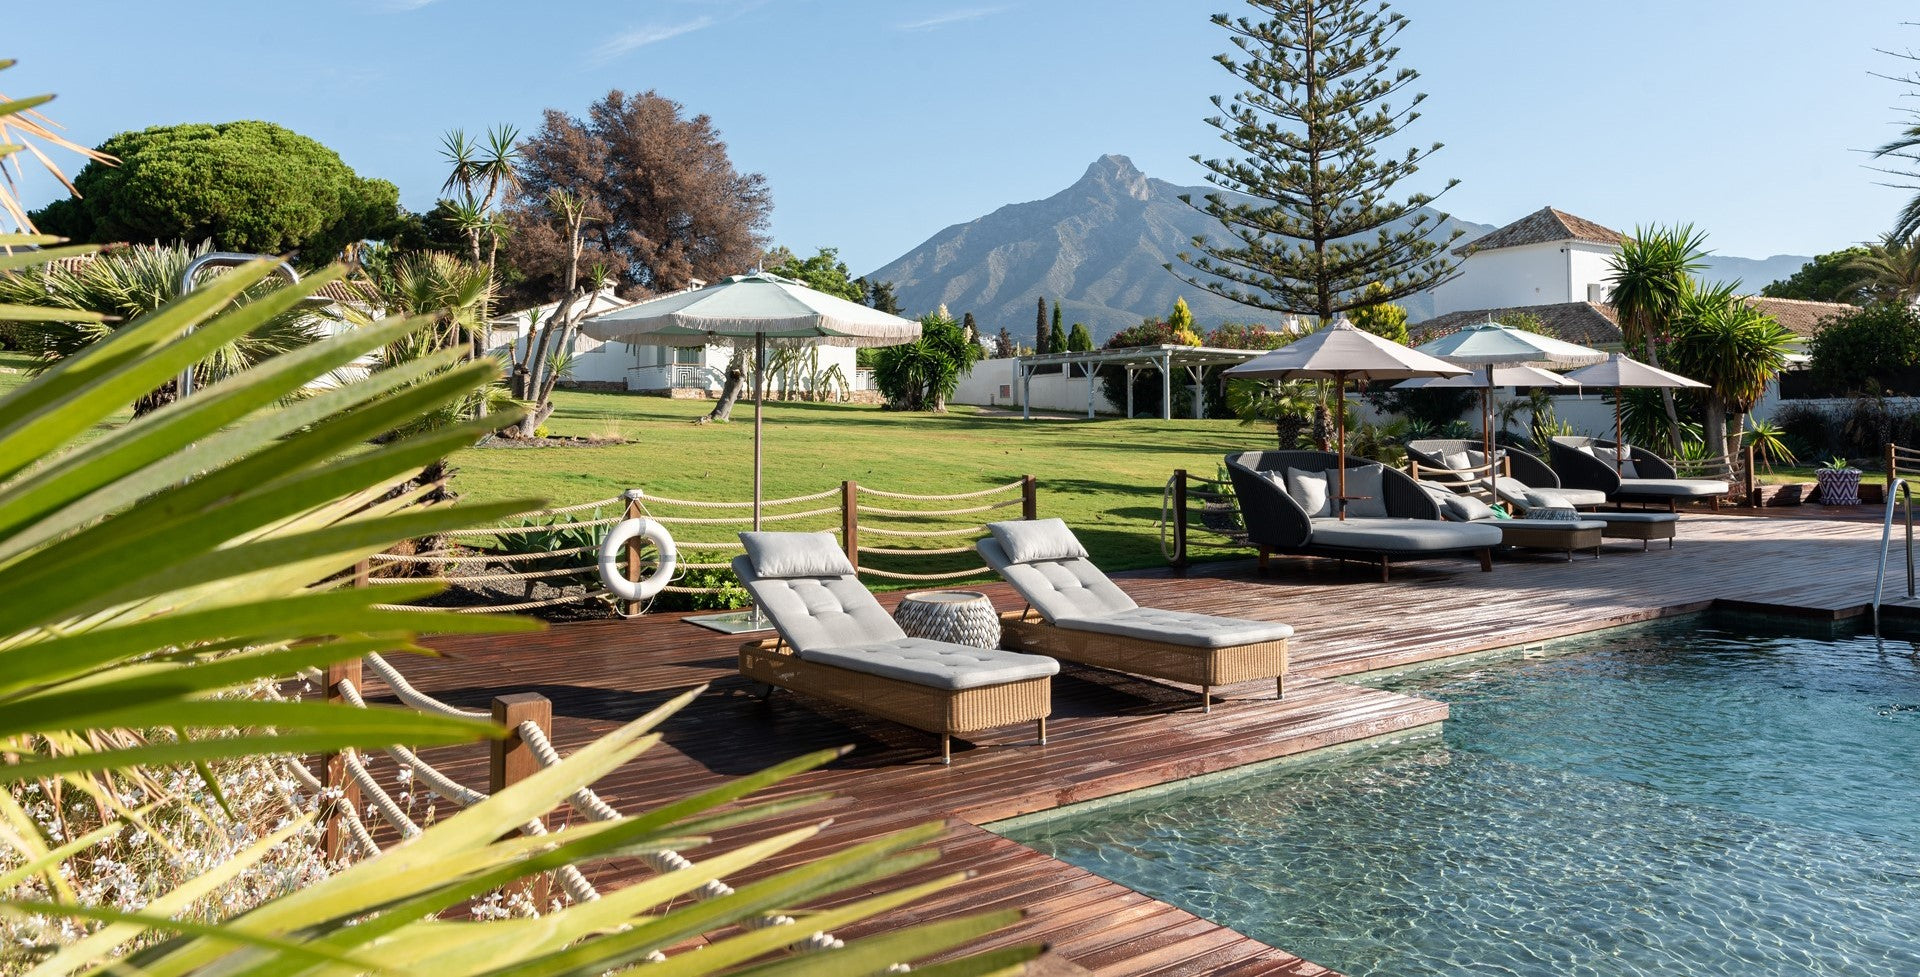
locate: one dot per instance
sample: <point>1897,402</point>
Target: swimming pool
<point>1687,797</point>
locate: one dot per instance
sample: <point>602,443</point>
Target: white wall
<point>994,383</point>
<point>1534,274</point>
<point>1588,265</point>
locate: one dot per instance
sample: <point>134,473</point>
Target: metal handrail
<point>1886,537</point>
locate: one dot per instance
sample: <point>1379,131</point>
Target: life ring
<point>613,551</point>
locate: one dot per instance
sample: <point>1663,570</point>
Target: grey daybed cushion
<point>819,612</point>
<point>1402,535</point>
<point>935,664</point>
<point>1567,524</point>
<point>1667,488</point>
<point>1034,540</point>
<point>1625,517</point>
<point>1311,491</point>
<point>1058,588</point>
<point>1365,487</point>
<point>784,555</point>
<point>1179,628</point>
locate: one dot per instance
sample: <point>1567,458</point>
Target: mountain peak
<point>1117,172</point>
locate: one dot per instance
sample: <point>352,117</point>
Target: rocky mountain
<point>1099,247</point>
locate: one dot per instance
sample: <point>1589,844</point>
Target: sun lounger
<point>1083,617</point>
<point>1389,516</point>
<point>1526,528</point>
<point>1455,461</point>
<point>837,643</point>
<point>1588,463</point>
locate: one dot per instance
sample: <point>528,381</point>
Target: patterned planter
<point>1839,487</point>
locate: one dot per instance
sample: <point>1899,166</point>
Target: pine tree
<point>1003,347</point>
<point>1079,340</point>
<point>1040,326</point>
<point>1320,228</point>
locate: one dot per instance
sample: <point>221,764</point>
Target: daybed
<point>837,643</point>
<point>1455,461</point>
<point>1588,463</point>
<point>1084,618</point>
<point>1388,516</point>
<point>1528,528</point>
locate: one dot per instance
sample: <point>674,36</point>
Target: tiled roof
<point>1543,226</point>
<point>1587,323</point>
<point>1800,316</point>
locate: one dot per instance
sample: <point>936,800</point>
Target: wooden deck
<point>1113,733</point>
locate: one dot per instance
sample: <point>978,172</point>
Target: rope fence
<point>350,787</point>
<point>552,558</point>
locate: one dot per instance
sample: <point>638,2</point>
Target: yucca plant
<point>1769,443</point>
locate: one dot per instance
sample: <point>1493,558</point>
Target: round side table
<point>962,617</point>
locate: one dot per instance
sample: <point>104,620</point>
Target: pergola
<point>1165,359</point>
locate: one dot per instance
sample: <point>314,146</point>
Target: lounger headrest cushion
<point>1466,508</point>
<point>1366,487</point>
<point>778,556</point>
<point>1037,540</point>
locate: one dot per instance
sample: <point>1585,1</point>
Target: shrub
<point>1808,431</point>
<point>1432,409</point>
<point>1860,350</point>
<point>731,596</point>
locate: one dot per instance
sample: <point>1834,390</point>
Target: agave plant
<point>155,573</point>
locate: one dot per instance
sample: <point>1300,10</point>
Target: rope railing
<point>568,574</point>
<point>340,808</point>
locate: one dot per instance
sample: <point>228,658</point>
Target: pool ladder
<point>1904,495</point>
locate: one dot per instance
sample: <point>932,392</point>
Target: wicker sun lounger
<point>837,643</point>
<point>1085,618</point>
<point>1645,478</point>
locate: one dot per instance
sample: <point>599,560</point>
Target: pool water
<point>1688,797</point>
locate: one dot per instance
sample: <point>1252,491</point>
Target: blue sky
<point>879,123</point>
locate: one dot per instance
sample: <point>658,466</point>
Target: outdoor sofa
<point>837,643</point>
<point>1526,483</point>
<point>1588,463</point>
<point>1085,618</point>
<point>1389,516</point>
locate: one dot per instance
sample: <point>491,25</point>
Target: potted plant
<point>1839,482</point>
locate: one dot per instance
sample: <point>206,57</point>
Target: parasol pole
<point>1340,425</point>
<point>1486,430</point>
<point>1618,438</point>
<point>759,401</point>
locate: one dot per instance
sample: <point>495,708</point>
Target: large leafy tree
<point>1861,350</point>
<point>1732,347</point>
<point>670,206</point>
<point>61,309</point>
<point>1830,277</point>
<point>823,271</point>
<point>246,186</point>
<point>1650,275</point>
<point>1323,99</point>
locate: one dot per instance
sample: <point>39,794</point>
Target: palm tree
<point>1891,268</point>
<point>124,285</point>
<point>453,295</point>
<point>1289,406</point>
<point>1734,348</point>
<point>1649,278</point>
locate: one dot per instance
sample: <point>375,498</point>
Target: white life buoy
<point>613,551</point>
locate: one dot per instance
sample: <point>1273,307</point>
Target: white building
<point>671,371</point>
<point>1545,258</point>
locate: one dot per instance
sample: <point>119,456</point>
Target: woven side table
<point>962,617</point>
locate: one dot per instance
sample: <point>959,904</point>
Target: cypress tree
<point>1040,326</point>
<point>1079,340</point>
<point>1057,336</point>
<point>1320,227</point>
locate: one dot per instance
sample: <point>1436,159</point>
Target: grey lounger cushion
<point>935,664</point>
<point>819,612</point>
<point>1586,521</point>
<point>1179,628</point>
<point>1669,488</point>
<point>1644,517</point>
<point>782,555</point>
<point>1035,540</point>
<point>1402,535</point>
<point>1058,588</point>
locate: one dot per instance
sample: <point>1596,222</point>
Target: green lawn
<point>1104,476</point>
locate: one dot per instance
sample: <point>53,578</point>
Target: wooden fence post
<point>1180,517</point>
<point>1893,462</point>
<point>339,840</point>
<point>1029,497</point>
<point>633,550</point>
<point>850,520</point>
<point>511,760</point>
<point>1750,480</point>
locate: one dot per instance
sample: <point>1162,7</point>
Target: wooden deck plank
<point>1111,733</point>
